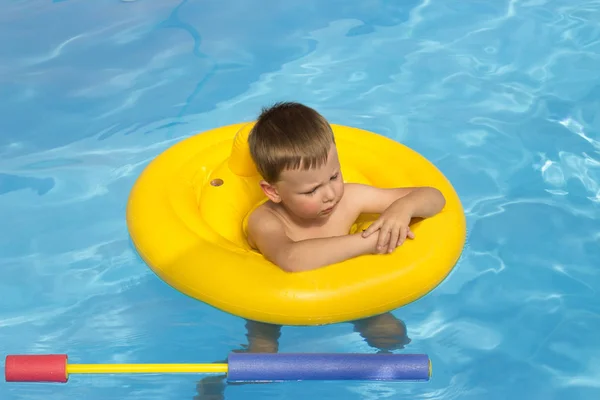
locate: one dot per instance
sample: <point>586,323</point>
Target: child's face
<point>313,193</point>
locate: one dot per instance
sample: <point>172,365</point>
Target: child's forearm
<point>424,202</point>
<point>311,254</point>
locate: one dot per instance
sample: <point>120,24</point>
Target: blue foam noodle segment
<point>260,367</point>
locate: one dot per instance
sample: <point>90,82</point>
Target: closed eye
<point>313,191</point>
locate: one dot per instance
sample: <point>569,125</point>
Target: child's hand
<point>393,226</point>
<point>372,244</point>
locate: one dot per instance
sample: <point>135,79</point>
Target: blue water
<point>503,96</point>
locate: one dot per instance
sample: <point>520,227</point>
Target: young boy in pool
<point>306,220</point>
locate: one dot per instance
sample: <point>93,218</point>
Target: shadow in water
<point>10,183</point>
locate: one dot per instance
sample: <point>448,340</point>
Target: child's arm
<point>397,207</point>
<point>423,201</point>
<point>268,234</point>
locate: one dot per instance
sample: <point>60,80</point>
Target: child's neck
<point>303,223</point>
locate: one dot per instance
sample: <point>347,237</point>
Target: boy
<point>304,224</point>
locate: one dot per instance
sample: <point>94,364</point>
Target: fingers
<point>395,235</point>
<point>391,235</point>
<point>382,240</point>
<point>372,228</point>
<point>392,238</point>
<point>403,236</point>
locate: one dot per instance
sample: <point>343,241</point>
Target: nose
<point>328,194</point>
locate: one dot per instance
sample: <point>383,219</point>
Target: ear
<point>270,191</point>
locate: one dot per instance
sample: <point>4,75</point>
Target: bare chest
<point>336,225</point>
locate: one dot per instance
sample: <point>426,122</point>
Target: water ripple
<point>502,96</point>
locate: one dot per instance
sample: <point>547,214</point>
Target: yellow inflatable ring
<point>186,211</point>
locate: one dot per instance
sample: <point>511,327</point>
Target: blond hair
<point>289,135</point>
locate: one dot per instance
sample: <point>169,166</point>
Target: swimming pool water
<point>502,96</point>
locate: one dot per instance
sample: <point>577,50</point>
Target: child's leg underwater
<point>384,332</point>
<point>262,338</point>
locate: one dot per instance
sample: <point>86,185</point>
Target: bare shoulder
<point>351,203</point>
<point>264,228</point>
<point>355,188</point>
<point>354,192</point>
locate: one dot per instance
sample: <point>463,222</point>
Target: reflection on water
<point>501,96</point>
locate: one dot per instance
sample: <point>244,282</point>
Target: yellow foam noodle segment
<point>186,214</point>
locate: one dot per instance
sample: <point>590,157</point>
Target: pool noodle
<point>248,367</point>
<point>241,367</point>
